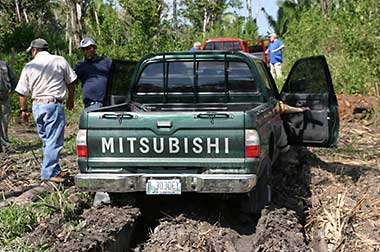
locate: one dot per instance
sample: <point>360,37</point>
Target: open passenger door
<point>309,84</point>
<point>120,81</point>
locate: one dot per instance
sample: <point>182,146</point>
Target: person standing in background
<point>8,82</point>
<point>196,46</point>
<point>93,72</point>
<point>46,78</point>
<point>274,49</point>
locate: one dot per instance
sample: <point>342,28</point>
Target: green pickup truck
<point>201,122</point>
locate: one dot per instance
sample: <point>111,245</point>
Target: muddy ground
<point>328,202</point>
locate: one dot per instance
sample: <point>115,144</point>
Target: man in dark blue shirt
<point>93,71</point>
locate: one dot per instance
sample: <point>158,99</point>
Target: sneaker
<point>56,179</point>
<point>63,174</point>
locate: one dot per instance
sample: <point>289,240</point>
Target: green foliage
<point>15,221</point>
<point>19,38</point>
<point>205,13</point>
<point>347,37</point>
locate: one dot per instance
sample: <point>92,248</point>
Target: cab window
<point>151,79</point>
<point>180,77</point>
<point>240,78</point>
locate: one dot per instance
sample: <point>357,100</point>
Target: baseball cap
<point>38,43</point>
<point>87,42</point>
<point>273,35</point>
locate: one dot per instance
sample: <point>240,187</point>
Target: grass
<point>19,245</point>
<point>15,221</point>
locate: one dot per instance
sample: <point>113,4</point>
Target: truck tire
<point>261,195</point>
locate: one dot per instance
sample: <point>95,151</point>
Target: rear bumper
<point>200,183</point>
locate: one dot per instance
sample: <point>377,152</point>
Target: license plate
<point>163,186</point>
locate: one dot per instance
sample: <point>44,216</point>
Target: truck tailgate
<point>126,140</point>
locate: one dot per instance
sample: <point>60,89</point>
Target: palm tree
<point>288,11</point>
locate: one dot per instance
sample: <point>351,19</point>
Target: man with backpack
<point>8,82</point>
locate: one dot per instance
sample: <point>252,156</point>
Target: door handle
<point>300,104</point>
<point>213,115</point>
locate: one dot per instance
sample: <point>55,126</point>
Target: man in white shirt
<point>45,79</point>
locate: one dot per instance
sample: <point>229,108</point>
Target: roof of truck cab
<point>212,54</point>
<point>222,39</point>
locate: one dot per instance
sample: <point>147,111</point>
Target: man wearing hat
<point>93,71</point>
<point>45,79</point>
<point>274,49</point>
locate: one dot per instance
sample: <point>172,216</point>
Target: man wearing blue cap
<point>93,71</point>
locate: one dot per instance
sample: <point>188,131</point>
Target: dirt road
<point>329,202</point>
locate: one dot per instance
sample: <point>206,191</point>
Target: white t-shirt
<point>46,76</point>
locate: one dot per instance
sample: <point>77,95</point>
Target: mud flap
<point>119,199</point>
<point>261,195</point>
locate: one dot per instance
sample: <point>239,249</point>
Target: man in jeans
<point>93,72</point>
<point>46,78</point>
<point>8,82</point>
<point>274,49</point>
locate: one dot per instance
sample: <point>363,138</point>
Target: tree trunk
<point>25,15</point>
<point>324,7</point>
<point>97,21</point>
<point>257,10</point>
<point>79,19</point>
<point>206,20</point>
<point>18,14</point>
<point>67,34</point>
<point>249,10</point>
<point>72,34</point>
<point>175,14</point>
<point>13,57</point>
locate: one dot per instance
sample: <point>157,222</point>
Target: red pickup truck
<point>254,46</point>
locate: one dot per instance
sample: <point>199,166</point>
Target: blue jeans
<point>50,120</point>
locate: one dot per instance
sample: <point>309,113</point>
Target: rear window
<point>151,79</point>
<point>208,76</point>
<point>224,45</point>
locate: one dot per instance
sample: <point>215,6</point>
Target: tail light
<point>82,143</point>
<point>252,143</point>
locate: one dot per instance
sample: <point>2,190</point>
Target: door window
<point>308,76</point>
<point>265,77</point>
<point>121,77</point>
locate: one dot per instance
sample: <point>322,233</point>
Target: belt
<point>47,100</point>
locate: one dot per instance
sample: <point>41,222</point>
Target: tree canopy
<point>345,31</point>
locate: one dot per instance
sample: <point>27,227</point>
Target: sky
<point>271,8</point>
